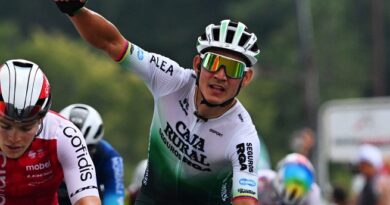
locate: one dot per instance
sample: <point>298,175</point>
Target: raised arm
<point>96,30</point>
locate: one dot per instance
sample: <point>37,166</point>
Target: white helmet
<point>24,91</point>
<point>87,119</point>
<point>294,179</point>
<point>232,36</point>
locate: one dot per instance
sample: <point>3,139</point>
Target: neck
<point>208,112</point>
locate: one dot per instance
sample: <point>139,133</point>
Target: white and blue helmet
<point>87,119</point>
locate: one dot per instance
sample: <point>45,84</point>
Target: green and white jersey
<point>192,161</point>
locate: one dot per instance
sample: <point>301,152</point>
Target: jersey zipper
<point>194,124</point>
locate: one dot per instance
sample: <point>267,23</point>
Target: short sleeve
<point>78,168</point>
<point>244,155</point>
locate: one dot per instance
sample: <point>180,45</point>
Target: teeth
<point>217,87</point>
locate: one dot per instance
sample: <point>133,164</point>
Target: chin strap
<point>200,117</point>
<point>40,128</point>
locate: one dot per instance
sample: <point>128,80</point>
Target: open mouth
<point>217,88</point>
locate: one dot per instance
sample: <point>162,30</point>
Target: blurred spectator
<point>303,141</point>
<point>374,188</point>
<point>339,196</point>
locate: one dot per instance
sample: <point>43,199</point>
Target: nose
<point>12,136</point>
<point>221,74</point>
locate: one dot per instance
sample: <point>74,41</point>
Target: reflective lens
<point>233,68</point>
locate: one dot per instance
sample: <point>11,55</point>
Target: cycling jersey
<point>58,153</point>
<point>109,173</point>
<point>269,196</point>
<point>192,160</point>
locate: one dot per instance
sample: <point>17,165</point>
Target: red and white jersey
<point>58,153</point>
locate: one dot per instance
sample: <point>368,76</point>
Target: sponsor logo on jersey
<point>224,192</point>
<point>3,184</point>
<point>215,132</point>
<point>32,154</point>
<point>246,191</point>
<point>245,156</point>
<point>86,168</point>
<point>39,166</point>
<point>41,153</point>
<point>184,105</point>
<point>187,147</point>
<point>131,48</point>
<point>240,117</point>
<point>140,54</point>
<point>117,165</point>
<point>162,64</point>
<point>146,176</point>
<point>247,182</point>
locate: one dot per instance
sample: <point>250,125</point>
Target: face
<point>366,169</point>
<point>16,137</point>
<point>217,87</point>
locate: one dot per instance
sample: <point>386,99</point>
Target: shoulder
<point>241,129</point>
<point>240,116</point>
<point>55,125</point>
<point>107,149</point>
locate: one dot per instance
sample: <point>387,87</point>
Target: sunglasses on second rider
<point>212,62</point>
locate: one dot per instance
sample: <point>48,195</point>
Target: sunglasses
<point>233,68</point>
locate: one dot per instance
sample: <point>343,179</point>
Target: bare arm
<point>89,200</point>
<point>99,32</point>
<point>245,202</point>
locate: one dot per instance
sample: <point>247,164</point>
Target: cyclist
<point>291,184</point>
<point>108,163</point>
<point>38,148</point>
<point>136,182</point>
<point>370,186</point>
<point>203,146</point>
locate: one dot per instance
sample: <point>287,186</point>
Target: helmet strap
<point>40,127</point>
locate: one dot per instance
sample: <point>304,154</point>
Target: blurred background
<point>312,52</point>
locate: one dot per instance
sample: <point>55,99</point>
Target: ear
<point>196,63</point>
<point>247,77</point>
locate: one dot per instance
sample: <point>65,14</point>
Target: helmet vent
<point>22,64</point>
<point>87,131</point>
<point>216,34</point>
<point>229,36</point>
<point>254,48</point>
<point>292,195</point>
<point>98,132</point>
<point>233,24</point>
<point>243,40</point>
